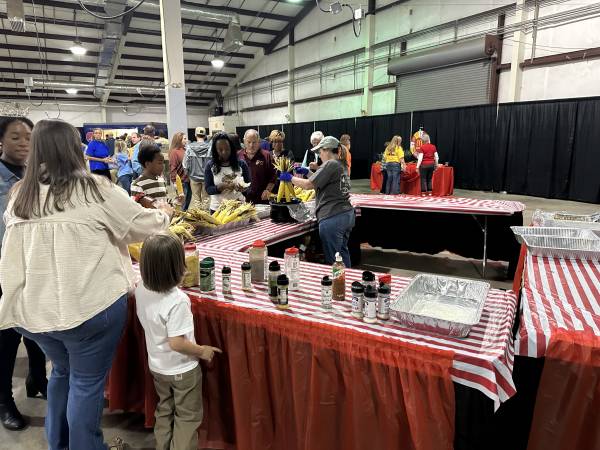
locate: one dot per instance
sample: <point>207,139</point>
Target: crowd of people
<point>69,216</point>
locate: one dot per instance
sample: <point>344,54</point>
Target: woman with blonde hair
<point>393,159</point>
<point>277,139</point>
<point>176,155</point>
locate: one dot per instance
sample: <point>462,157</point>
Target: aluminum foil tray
<point>553,231</point>
<point>442,305</point>
<point>563,247</point>
<point>566,220</point>
<point>223,229</point>
<point>263,211</point>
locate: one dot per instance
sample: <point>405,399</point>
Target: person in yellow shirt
<point>393,160</point>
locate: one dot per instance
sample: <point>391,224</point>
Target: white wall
<point>77,115</point>
<point>575,79</point>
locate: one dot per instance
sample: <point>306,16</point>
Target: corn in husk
<point>286,189</point>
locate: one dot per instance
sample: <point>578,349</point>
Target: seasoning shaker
<point>274,272</point>
<point>357,299</point>
<point>370,308</point>
<point>246,276</point>
<point>383,302</point>
<point>282,291</point>
<point>226,279</point>
<point>326,292</point>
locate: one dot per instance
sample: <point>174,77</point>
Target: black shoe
<point>11,418</point>
<point>34,388</point>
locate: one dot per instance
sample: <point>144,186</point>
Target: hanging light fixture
<point>71,91</point>
<point>217,63</point>
<point>77,49</point>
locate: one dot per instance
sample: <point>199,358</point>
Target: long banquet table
<point>559,324</point>
<point>305,366</point>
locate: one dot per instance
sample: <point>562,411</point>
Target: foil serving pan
<point>438,304</point>
<point>563,247</point>
<point>567,220</point>
<point>553,231</point>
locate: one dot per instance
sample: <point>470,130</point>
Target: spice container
<point>207,275</point>
<point>370,308</point>
<point>226,279</point>
<point>326,292</point>
<point>192,269</point>
<point>357,299</point>
<point>246,276</point>
<point>274,272</point>
<point>258,261</point>
<point>368,279</point>
<point>291,262</point>
<point>339,278</point>
<point>282,292</point>
<point>383,302</point>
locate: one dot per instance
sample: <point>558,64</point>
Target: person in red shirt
<point>427,162</point>
<point>176,154</point>
<point>262,171</point>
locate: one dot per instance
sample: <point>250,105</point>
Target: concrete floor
<point>130,426</point>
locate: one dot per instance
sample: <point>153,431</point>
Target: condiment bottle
<point>192,266</point>
<point>368,279</point>
<point>291,262</point>
<point>339,278</point>
<point>259,262</point>
<point>274,272</point>
<point>383,302</point>
<point>226,279</point>
<point>326,293</point>
<point>207,275</point>
<point>246,276</point>
<point>282,291</point>
<point>370,308</point>
<point>357,299</point>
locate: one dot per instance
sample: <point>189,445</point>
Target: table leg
<point>485,233</point>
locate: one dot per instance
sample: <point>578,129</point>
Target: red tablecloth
<point>410,184</point>
<point>560,321</point>
<point>323,376</point>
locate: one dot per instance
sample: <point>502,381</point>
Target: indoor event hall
<point>300,224</point>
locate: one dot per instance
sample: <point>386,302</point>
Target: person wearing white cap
<point>334,212</point>
<point>310,157</point>
<point>197,154</point>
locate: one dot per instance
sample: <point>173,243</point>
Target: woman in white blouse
<point>65,273</point>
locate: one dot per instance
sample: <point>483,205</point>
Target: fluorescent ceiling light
<point>71,91</point>
<point>78,49</point>
<point>218,63</point>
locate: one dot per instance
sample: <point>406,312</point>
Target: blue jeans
<point>392,185</point>
<point>125,182</point>
<point>81,358</point>
<point>335,233</point>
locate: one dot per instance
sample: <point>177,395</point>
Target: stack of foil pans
<point>563,247</point>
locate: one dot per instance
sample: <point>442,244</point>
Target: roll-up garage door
<point>448,76</point>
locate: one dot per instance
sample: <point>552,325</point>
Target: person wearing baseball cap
<point>200,134</point>
<point>334,212</point>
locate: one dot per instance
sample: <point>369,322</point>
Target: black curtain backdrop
<point>241,130</point>
<point>465,139</point>
<point>584,180</point>
<point>546,149</point>
<point>297,138</point>
<point>385,127</point>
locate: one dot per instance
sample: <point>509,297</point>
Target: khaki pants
<point>179,410</point>
<point>200,199</point>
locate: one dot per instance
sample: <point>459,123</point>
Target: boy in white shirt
<point>166,316</point>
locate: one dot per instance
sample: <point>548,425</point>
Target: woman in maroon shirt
<point>427,162</point>
<point>262,172</point>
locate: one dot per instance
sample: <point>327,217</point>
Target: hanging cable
<point>98,16</point>
<point>357,34</point>
<point>319,6</point>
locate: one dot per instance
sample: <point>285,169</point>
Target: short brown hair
<point>162,262</point>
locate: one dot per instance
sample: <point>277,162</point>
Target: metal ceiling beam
<point>36,61</point>
<point>189,50</point>
<point>187,72</point>
<point>32,48</point>
<point>194,37</point>
<point>142,15</point>
<point>51,36</point>
<point>185,61</point>
<point>86,99</point>
<point>241,12</point>
<point>308,7</point>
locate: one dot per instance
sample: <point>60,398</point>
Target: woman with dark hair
<point>15,135</point>
<point>65,274</point>
<point>225,177</point>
